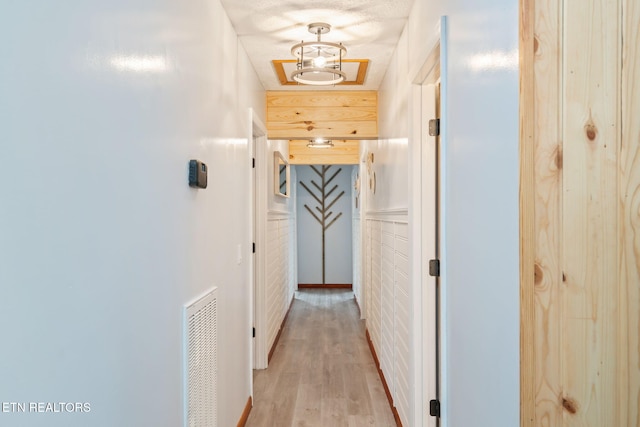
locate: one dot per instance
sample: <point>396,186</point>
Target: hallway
<point>322,372</point>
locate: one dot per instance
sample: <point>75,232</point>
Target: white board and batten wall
<point>388,316</point>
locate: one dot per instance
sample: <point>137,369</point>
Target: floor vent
<point>201,406</point>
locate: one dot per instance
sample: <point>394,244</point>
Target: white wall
<point>338,237</point>
<point>480,259</point>
<point>390,163</point>
<point>102,241</point>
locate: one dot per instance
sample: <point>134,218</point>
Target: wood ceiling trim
<point>343,152</point>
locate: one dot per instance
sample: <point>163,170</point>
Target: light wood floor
<point>322,372</point>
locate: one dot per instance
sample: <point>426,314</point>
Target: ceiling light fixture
<point>319,63</point>
<point>320,143</point>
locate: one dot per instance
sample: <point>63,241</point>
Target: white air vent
<point>201,396</point>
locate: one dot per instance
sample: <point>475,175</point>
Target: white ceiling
<point>369,29</point>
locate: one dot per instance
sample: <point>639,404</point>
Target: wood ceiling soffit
<point>328,114</point>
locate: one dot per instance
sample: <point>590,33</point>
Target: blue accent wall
<point>338,255</point>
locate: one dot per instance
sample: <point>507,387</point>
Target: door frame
<point>427,190</point>
<point>258,195</point>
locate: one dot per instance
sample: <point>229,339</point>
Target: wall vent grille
<point>201,406</point>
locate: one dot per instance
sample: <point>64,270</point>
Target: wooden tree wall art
<point>321,193</point>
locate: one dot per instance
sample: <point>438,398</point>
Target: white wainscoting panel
<point>278,286</point>
<point>366,272</point>
<point>389,311</point>
<point>373,319</point>
<point>387,304</point>
<point>402,322</point>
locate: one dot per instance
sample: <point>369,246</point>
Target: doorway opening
<point>324,215</point>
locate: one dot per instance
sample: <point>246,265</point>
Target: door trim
<point>259,203</point>
<point>428,331</point>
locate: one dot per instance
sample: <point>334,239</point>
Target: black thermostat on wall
<point>197,174</point>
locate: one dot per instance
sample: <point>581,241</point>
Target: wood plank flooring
<point>322,372</point>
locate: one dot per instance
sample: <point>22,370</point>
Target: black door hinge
<point>253,162</point>
<point>434,267</point>
<point>254,248</point>
<point>253,332</point>
<point>434,127</point>
<point>434,408</point>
